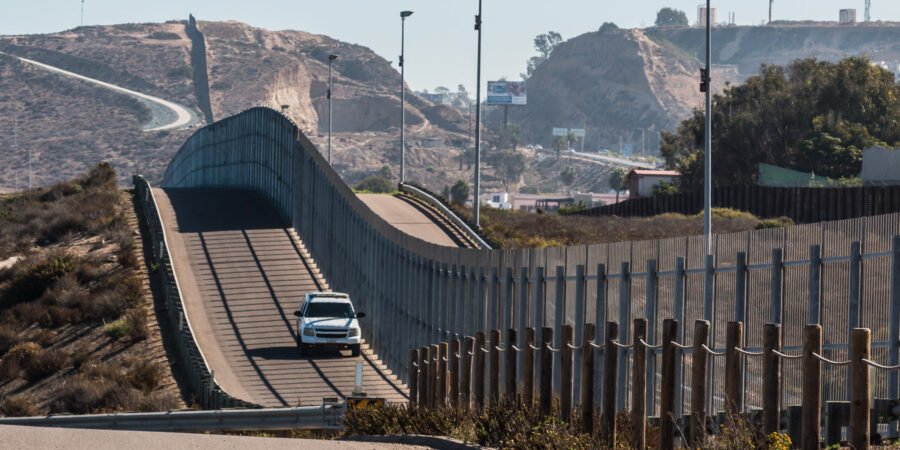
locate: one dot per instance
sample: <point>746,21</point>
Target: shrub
<point>376,185</point>
<point>127,257</point>
<point>45,363</point>
<point>158,401</point>
<point>84,396</point>
<point>144,375</point>
<point>38,278</point>
<point>118,329</point>
<point>9,337</point>
<point>45,337</point>
<point>18,406</point>
<point>163,36</point>
<point>778,222</point>
<point>136,319</point>
<point>10,369</point>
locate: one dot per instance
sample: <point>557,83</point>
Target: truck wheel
<point>354,350</point>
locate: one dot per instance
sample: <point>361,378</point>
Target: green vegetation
<point>618,181</point>
<point>509,165</point>
<point>375,185</point>
<point>460,191</point>
<point>671,17</point>
<point>812,116</point>
<point>182,71</point>
<point>544,44</point>
<point>568,176</point>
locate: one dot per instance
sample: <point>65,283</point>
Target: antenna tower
<point>770,10</point>
<point>81,28</point>
<point>868,9</point>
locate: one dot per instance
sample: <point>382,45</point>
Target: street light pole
<point>476,202</point>
<point>707,157</point>
<point>403,16</point>
<point>330,87</point>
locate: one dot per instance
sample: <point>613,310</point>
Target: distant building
<point>641,181</point>
<point>880,166</point>
<point>701,16</point>
<point>848,16</point>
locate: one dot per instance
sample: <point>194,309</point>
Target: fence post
<point>495,367</point>
<point>811,388</point>
<point>771,378</point>
<point>478,377</point>
<point>625,321</point>
<point>455,355</point>
<point>528,367</point>
<point>860,342</point>
<point>465,379</point>
<point>734,373</point>
<point>698,383</point>
<point>511,341</point>
<point>667,386</point>
<point>566,372</point>
<point>442,375</point>
<point>413,376</point>
<point>610,371</point>
<point>638,385</point>
<point>678,312</point>
<point>587,379</point>
<point>433,356</point>
<point>423,377</point>
<point>894,330</point>
<point>815,271</point>
<point>546,391</point>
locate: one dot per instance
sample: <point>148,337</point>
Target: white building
<point>641,182</point>
<point>848,16</point>
<point>701,16</point>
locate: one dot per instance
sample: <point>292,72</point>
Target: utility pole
<point>403,16</point>
<point>707,159</point>
<point>330,87</point>
<point>770,10</point>
<point>477,201</point>
<point>81,28</point>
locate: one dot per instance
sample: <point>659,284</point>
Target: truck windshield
<point>341,310</point>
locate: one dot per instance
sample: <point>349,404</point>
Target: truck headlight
<point>309,332</point>
<point>354,332</point>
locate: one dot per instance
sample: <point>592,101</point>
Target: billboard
<point>437,99</point>
<point>578,132</point>
<point>506,93</point>
<point>560,131</point>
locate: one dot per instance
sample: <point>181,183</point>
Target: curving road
<point>166,115</point>
<point>242,274</point>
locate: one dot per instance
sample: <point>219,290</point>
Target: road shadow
<point>292,353</point>
<point>200,210</point>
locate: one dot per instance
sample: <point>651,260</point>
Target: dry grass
<point>18,406</point>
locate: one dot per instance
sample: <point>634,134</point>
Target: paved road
<point>166,115</point>
<point>407,218</point>
<point>19,437</point>
<point>242,274</point>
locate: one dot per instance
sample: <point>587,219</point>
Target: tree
<point>568,177</point>
<point>559,143</point>
<point>461,100</point>
<point>509,166</point>
<point>544,44</point>
<point>377,185</point>
<point>812,116</point>
<point>670,17</point>
<point>385,172</point>
<point>460,191</point>
<point>617,180</point>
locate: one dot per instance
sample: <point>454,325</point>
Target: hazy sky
<point>441,42</point>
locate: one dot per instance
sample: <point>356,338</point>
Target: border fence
<point>841,275</point>
<point>801,204</point>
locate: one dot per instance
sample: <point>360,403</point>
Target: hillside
<point>70,125</point>
<point>77,332</point>
<point>617,81</point>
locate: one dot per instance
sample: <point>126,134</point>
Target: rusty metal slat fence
<point>419,293</point>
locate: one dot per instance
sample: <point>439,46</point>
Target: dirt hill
<point>70,125</point>
<point>616,81</point>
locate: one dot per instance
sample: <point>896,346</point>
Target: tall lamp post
<point>707,156</point>
<point>477,202</point>
<point>330,85</point>
<point>403,16</point>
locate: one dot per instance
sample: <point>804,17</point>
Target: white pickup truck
<point>327,320</point>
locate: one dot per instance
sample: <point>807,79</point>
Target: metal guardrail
<point>328,416</point>
<point>447,212</point>
<point>200,379</point>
